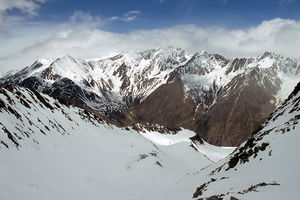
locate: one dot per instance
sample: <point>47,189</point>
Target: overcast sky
<point>33,29</point>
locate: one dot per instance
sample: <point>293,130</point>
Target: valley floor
<point>102,163</point>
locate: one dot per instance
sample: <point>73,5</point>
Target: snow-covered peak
<point>202,63</point>
<point>69,67</point>
<point>277,62</point>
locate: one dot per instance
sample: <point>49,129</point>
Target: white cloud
<point>283,2</point>
<point>28,7</point>
<point>278,35</point>
<point>130,15</point>
<point>114,18</point>
<point>132,12</point>
<point>130,18</point>
<point>126,17</point>
<point>85,18</point>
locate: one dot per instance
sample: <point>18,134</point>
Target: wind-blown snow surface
<point>265,167</point>
<point>51,151</point>
<point>212,152</point>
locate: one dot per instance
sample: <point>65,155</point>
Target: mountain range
<point>222,100</point>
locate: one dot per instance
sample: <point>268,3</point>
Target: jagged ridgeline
<point>223,100</point>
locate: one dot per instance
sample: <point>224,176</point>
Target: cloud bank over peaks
<point>277,35</point>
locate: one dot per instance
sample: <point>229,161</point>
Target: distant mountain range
<point>223,100</point>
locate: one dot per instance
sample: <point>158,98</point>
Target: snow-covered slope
<point>52,151</point>
<point>264,167</point>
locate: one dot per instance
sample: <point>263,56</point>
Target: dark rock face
<point>232,119</point>
<point>49,75</point>
<point>167,106</point>
<point>67,91</point>
<point>32,83</point>
<point>237,63</point>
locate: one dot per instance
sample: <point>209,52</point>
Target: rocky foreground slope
<point>264,167</point>
<point>221,99</point>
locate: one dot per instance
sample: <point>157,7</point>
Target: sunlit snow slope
<point>51,151</point>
